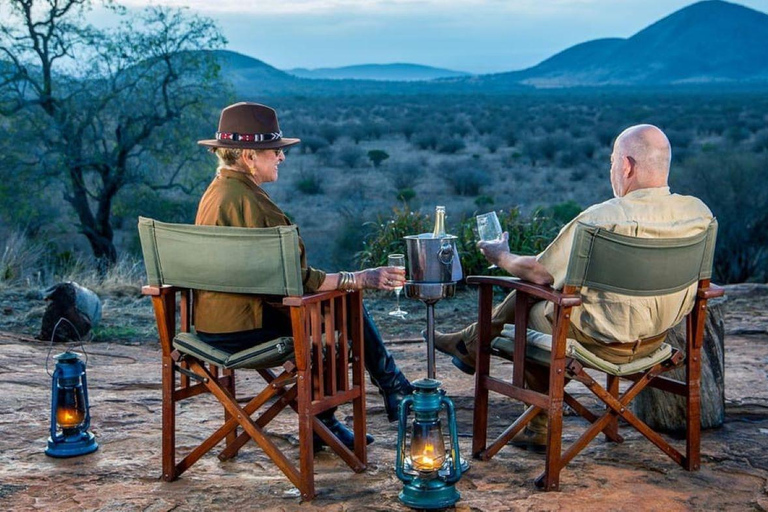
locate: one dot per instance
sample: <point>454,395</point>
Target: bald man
<point>617,328</point>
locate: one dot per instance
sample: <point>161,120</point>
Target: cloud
<point>387,7</point>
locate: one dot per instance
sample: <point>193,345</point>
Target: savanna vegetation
<point>99,126</point>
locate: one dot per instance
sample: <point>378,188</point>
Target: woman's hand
<point>382,278</point>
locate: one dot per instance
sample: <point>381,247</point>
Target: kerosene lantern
<point>428,472</point>
<point>70,411</point>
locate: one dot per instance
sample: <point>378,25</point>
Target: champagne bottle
<point>439,230</point>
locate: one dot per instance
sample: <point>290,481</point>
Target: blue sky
<point>479,36</point>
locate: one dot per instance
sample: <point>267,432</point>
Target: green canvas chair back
<point>222,259</point>
<point>630,265</point>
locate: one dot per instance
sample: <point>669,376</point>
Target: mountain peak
<point>711,41</point>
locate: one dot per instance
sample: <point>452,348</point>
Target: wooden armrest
<point>536,290</point>
<point>303,300</point>
<point>711,292</point>
<point>156,291</point>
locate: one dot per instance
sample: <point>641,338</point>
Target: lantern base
<point>82,443</point>
<point>429,494</point>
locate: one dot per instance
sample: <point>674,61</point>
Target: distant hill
<point>707,42</point>
<point>390,72</point>
<point>253,79</point>
<point>249,75</point>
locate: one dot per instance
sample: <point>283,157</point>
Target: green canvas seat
<point>604,261</point>
<point>326,346</point>
<point>265,355</point>
<point>540,349</point>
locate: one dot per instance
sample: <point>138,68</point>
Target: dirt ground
<point>124,474</point>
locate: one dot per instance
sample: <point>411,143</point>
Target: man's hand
<point>495,250</point>
<point>524,267</point>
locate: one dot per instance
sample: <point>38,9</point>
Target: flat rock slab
<point>124,474</point>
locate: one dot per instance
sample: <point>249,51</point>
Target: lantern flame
<point>68,417</point>
<point>427,460</point>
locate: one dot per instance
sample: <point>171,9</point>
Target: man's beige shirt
<point>609,317</point>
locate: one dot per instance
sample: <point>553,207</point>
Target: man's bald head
<point>641,159</point>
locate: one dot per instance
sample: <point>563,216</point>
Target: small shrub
<point>350,156</point>
<point>579,174</point>
<point>349,241</point>
<point>425,140</point>
<point>483,201</point>
<point>451,146</point>
<point>20,258</point>
<point>465,177</point>
<point>309,183</point>
<point>313,143</point>
<point>329,132</point>
<point>406,195</point>
<point>405,174</point>
<point>564,212</point>
<point>493,143</point>
<point>376,156</point>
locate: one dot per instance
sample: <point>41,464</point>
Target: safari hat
<point>248,126</point>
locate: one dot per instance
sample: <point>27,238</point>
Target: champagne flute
<point>489,229</point>
<point>397,260</point>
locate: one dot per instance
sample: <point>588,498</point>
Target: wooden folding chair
<point>600,260</point>
<point>316,361</point>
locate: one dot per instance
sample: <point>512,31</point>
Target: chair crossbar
<point>510,432</point>
<point>254,431</point>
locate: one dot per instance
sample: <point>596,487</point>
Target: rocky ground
<point>124,382</point>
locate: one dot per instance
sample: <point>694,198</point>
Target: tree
<point>376,156</point>
<point>101,109</point>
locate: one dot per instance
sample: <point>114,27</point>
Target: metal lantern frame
<point>64,442</point>
<point>428,489</point>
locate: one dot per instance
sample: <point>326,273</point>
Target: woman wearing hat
<point>249,146</point>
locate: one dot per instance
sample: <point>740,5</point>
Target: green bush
<point>386,235</point>
<point>405,174</point>
<point>309,183</point>
<point>483,201</point>
<point>376,156</point>
<point>466,177</point>
<point>527,235</point>
<point>562,213</point>
<point>734,187</point>
<point>405,195</point>
<point>451,146</point>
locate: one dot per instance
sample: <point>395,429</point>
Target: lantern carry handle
<point>455,475</point>
<point>403,411</point>
<point>53,337</point>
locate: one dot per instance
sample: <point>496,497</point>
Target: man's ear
<point>629,167</point>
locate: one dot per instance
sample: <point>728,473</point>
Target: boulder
<point>666,412</point>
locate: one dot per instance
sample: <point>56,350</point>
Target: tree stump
<point>666,412</point>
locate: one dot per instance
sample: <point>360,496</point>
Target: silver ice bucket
<point>433,260</point>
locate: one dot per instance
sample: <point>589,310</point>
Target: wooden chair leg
<point>306,443</point>
<point>169,420</point>
<point>693,388</point>
<point>231,387</point>
<point>482,370</point>
<point>550,480</point>
<point>612,386</point>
